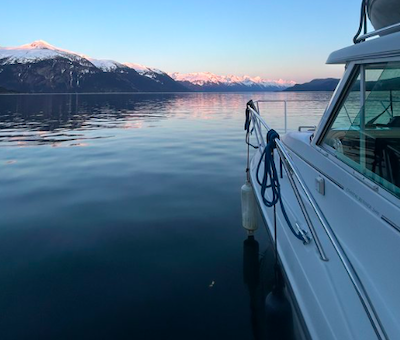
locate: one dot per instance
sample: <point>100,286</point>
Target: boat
<point>329,196</point>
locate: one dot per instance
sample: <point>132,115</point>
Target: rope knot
<point>271,136</point>
<point>250,104</point>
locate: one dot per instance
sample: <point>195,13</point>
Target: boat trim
<point>391,223</point>
<point>384,47</point>
<point>351,272</point>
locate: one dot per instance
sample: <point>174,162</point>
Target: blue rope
<point>271,179</point>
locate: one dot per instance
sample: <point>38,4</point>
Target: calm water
<point>120,215</point>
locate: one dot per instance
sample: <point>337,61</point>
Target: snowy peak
<point>148,72</point>
<point>39,44</point>
<point>198,78</point>
<point>34,52</point>
<point>41,50</point>
<point>106,65</point>
<point>141,69</point>
<point>210,79</point>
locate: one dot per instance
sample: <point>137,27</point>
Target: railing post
<point>362,117</point>
<point>285,116</point>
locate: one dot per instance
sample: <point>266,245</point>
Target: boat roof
<point>385,46</point>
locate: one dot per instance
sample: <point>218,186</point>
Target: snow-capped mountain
<point>41,67</point>
<point>106,65</point>
<point>34,52</point>
<point>206,81</point>
<point>144,70</point>
<point>155,75</point>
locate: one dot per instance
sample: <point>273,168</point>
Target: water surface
<point>120,214</point>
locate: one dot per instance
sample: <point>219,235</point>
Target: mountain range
<point>39,67</point>
<point>327,84</point>
<point>209,82</point>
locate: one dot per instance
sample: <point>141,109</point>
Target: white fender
<point>249,208</point>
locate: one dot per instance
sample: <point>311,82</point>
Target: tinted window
<point>367,137</point>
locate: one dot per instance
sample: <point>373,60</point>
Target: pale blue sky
<point>288,39</point>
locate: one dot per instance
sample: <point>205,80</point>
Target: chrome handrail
<point>285,101</point>
<point>385,30</point>
<point>291,169</point>
<point>308,127</point>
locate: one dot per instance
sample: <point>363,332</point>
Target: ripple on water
<point>119,211</point>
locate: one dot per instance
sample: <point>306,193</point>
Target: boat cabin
<point>362,125</point>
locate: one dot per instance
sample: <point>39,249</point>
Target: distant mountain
<point>209,82</point>
<point>41,67</point>
<point>328,84</point>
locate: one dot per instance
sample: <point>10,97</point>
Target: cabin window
<point>365,132</point>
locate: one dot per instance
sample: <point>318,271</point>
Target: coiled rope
<point>270,179</point>
<point>270,175</point>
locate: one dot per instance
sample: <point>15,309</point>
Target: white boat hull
<point>324,291</point>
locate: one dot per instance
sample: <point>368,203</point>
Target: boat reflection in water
<point>273,313</point>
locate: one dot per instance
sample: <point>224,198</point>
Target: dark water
<point>120,216</point>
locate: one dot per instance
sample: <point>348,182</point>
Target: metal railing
<point>293,175</point>
<point>285,106</point>
<point>383,31</point>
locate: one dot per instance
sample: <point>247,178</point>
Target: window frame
<point>333,109</point>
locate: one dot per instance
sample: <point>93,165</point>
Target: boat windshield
<point>367,137</point>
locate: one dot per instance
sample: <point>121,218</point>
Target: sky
<point>274,39</point>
